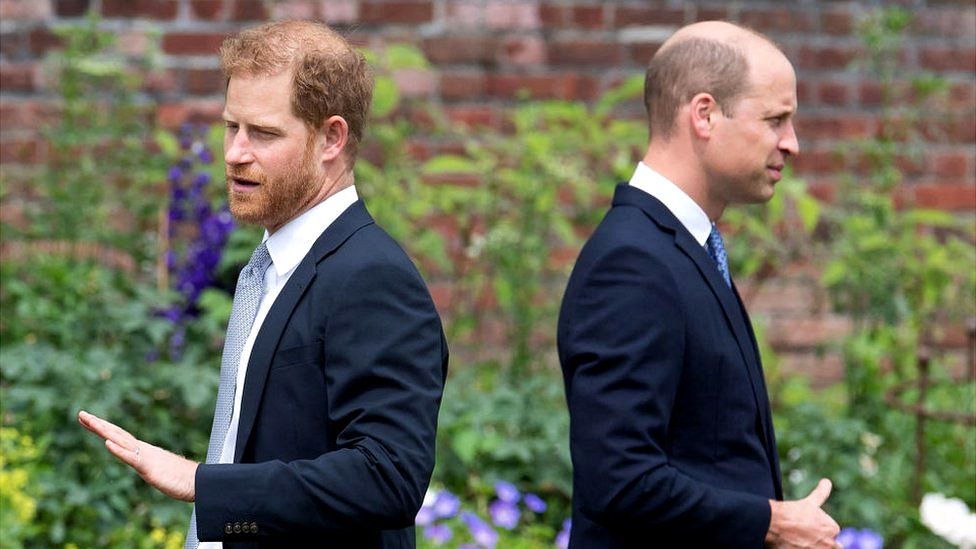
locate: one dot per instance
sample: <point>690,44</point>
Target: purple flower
<point>534,503</point>
<point>481,531</point>
<point>562,539</point>
<point>852,538</point>
<point>425,516</point>
<point>438,533</point>
<point>446,505</point>
<point>507,492</point>
<point>205,156</point>
<point>504,514</point>
<point>175,174</point>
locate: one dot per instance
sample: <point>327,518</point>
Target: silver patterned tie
<point>247,297</point>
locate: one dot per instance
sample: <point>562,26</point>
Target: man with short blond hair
<point>334,360</point>
<point>671,432</point>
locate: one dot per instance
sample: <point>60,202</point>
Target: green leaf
<point>405,56</point>
<point>448,164</point>
<point>386,96</point>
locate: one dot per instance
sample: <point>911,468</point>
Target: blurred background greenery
<point>118,301</point>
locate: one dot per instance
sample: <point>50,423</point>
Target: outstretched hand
<point>802,523</point>
<point>169,473</point>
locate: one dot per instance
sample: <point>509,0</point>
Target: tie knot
<point>259,257</point>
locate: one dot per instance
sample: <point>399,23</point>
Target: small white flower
<point>797,475</point>
<point>950,519</point>
<point>868,466</point>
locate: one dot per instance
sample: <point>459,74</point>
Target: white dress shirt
<point>287,247</point>
<point>688,212</point>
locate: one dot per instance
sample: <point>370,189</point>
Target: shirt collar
<point>681,205</point>
<point>289,244</point>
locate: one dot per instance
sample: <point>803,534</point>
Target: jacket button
<point>228,528</point>
<point>237,528</point>
<point>254,528</point>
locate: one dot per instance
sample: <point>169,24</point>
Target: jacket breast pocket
<point>296,356</point>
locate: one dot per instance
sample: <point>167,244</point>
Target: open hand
<point>802,523</point>
<point>169,473</point>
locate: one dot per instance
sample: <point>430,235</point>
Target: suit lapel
<point>266,342</point>
<point>731,306</point>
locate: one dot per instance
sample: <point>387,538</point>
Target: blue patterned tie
<point>716,250</point>
<point>247,297</point>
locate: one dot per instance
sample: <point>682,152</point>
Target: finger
<point>130,456</point>
<point>107,429</point>
<point>820,494</point>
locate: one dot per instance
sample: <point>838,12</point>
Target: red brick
<point>462,85</point>
<point>524,50</point>
<point>71,8</point>
<point>339,11</point>
<point>585,52</point>
<point>251,10</point>
<point>21,151</point>
<point>465,14</point>
<point>395,12</point>
<point>641,53</point>
<point>963,94</point>
<point>948,59</point>
<point>186,43</point>
<point>26,114</point>
<point>415,82</point>
<point>804,92</point>
<point>473,115</point>
<point>453,179</point>
<point>817,161</point>
<point>204,81</point>
<point>206,9</point>
<point>837,22</point>
<point>808,332</point>
<point>42,40</point>
<point>160,81</point>
<point>442,294</point>
<point>822,189</point>
<point>869,94</point>
<point>951,164</point>
<point>588,17</point>
<point>294,9</point>
<point>834,127</point>
<point>171,115</point>
<point>552,15</point>
<point>148,9</point>
<point>821,370</point>
<point>551,86</point>
<point>17,76</point>
<point>945,196</point>
<point>825,57</point>
<point>945,23</point>
<point>778,19</point>
<point>636,16</point>
<point>832,93</point>
<point>502,14</point>
<point>457,49</point>
<point>24,10</point>
<point>711,13</point>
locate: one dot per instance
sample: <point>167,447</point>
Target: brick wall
<point>485,51</point>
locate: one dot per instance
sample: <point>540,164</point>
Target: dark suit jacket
<point>671,436</point>
<point>335,445</point>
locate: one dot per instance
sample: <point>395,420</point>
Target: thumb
<point>820,494</point>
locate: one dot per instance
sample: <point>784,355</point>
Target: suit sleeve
<point>622,347</point>
<point>385,362</point>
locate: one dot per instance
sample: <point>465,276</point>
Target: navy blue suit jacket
<point>671,435</point>
<point>335,445</point>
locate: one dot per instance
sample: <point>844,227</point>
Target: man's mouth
<point>776,171</point>
<point>240,184</point>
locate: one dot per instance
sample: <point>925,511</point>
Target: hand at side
<point>802,523</point>
<point>169,473</point>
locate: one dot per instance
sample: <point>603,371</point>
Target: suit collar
<point>351,220</point>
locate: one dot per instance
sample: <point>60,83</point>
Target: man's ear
<point>702,112</point>
<point>333,136</point>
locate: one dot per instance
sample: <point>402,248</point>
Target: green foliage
<point>99,169</point>
<point>493,428</point>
